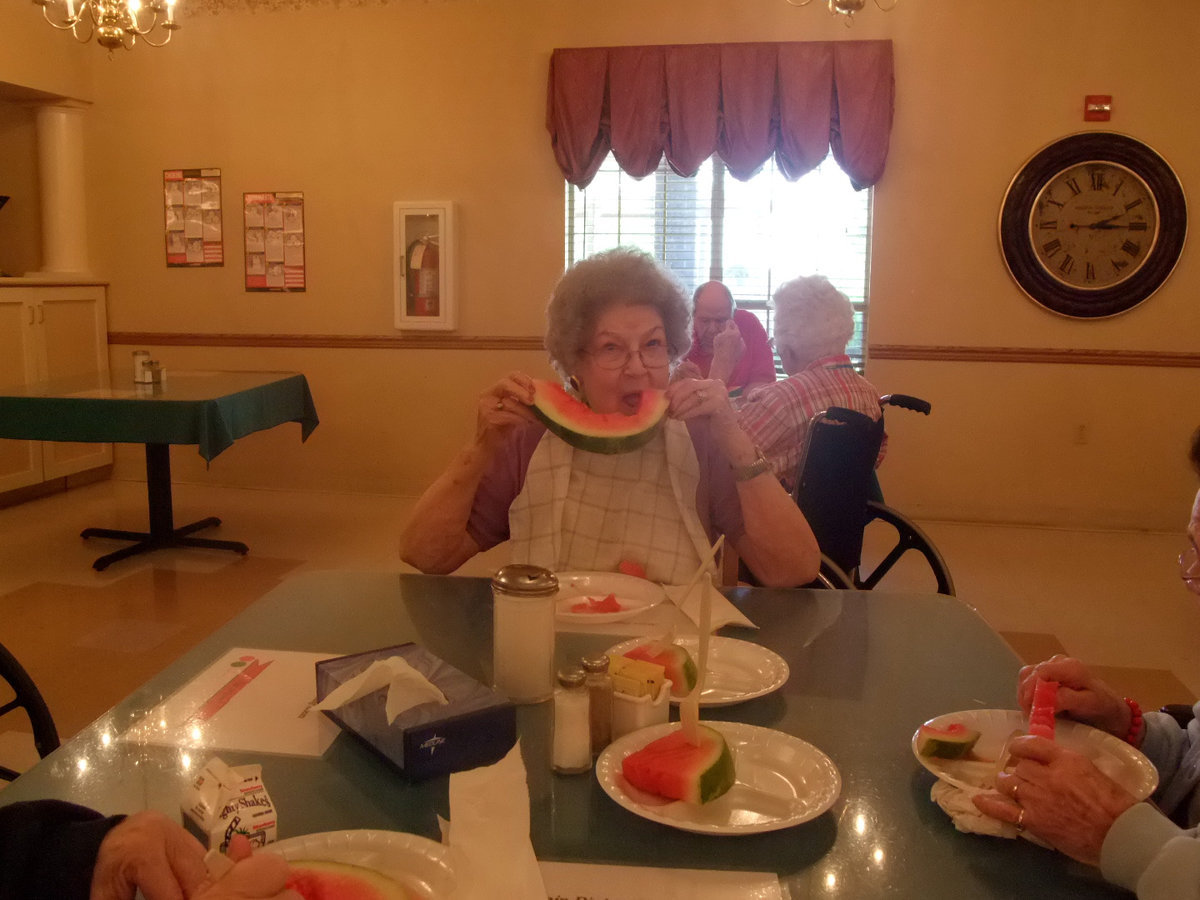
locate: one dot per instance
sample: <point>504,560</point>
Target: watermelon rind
<point>953,742</point>
<point>678,663</point>
<point>605,433</point>
<point>658,767</point>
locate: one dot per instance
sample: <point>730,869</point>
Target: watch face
<point>1093,225</point>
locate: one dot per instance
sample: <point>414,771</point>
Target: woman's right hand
<point>1081,695</point>
<point>503,406</point>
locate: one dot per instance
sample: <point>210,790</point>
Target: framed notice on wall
<point>192,200</point>
<point>274,225</point>
<point>423,266</point>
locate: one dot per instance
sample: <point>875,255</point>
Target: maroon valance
<point>744,102</point>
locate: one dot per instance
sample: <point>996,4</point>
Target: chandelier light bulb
<point>114,23</point>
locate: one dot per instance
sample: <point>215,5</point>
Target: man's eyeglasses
<point>654,355</point>
<point>1189,567</point>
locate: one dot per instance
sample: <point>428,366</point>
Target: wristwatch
<point>752,470</point>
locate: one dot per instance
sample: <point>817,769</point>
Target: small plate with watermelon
<point>780,781</point>
<point>737,670</point>
<point>976,769</point>
<point>367,865</point>
<point>604,597</point>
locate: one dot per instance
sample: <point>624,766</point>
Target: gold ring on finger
<point>500,403</point>
<point>1021,820</point>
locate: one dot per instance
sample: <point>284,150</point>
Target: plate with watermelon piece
<point>779,781</point>
<point>976,768</point>
<point>367,865</point>
<point>598,597</point>
<point>737,670</point>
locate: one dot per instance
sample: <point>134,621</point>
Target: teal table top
<point>866,669</point>
<point>209,409</point>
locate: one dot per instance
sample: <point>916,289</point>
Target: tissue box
<point>478,725</point>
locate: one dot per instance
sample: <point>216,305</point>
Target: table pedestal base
<point>162,534</point>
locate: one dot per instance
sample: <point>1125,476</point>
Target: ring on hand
<point>701,395</point>
<point>500,403</point>
<point>1016,789</point>
<point>1021,820</point>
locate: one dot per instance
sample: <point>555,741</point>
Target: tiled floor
<point>89,638</point>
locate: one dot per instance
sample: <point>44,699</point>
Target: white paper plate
<point>737,670</point>
<point>636,595</point>
<point>419,864</point>
<point>781,781</point>
<point>1112,756</point>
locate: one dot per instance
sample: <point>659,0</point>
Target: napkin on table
<point>406,687</point>
<point>956,802</point>
<point>488,832</point>
<point>723,612</point>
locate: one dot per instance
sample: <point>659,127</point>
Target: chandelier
<point>115,23</point>
<point>845,8</point>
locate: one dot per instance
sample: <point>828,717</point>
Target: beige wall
<point>359,106</point>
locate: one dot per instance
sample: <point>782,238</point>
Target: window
<point>751,235</point>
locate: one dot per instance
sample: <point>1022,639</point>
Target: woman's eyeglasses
<point>1189,567</point>
<point>616,356</point>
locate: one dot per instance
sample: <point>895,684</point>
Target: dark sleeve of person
<point>48,849</point>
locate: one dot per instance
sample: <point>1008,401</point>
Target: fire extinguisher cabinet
<point>423,253</point>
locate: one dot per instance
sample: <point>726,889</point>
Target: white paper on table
<point>488,832</point>
<point>723,612</point>
<point>251,700</point>
<point>567,881</point>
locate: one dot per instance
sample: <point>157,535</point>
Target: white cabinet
<point>50,331</point>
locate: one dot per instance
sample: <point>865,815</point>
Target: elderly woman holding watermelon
<point>606,484</point>
<point>1062,798</point>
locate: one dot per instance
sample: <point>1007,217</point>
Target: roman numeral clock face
<point>1093,224</point>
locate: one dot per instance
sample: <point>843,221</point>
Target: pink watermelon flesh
<point>671,767</point>
<point>324,880</point>
<point>680,667</point>
<point>1041,713</point>
<point>595,432</point>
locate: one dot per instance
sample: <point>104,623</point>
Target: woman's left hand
<point>1059,796</point>
<point>692,398</point>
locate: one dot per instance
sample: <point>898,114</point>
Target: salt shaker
<point>523,632</point>
<point>140,373</point>
<point>600,698</point>
<point>571,751</point>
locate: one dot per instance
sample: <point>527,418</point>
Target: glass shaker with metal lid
<point>523,632</point>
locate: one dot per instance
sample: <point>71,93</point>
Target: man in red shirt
<point>728,343</point>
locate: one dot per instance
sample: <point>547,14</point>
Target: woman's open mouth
<point>631,403</point>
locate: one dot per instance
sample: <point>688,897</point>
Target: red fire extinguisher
<point>423,278</point>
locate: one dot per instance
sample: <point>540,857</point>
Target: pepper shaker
<point>600,699</point>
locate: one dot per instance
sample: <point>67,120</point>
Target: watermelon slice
<point>325,880</point>
<point>629,567</point>
<point>675,660</point>
<point>595,432</point>
<point>952,742</point>
<point>1041,713</point>
<point>673,768</point>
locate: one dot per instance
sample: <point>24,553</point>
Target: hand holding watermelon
<point>1080,695</point>
<point>504,405</point>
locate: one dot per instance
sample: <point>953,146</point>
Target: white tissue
<point>956,803</point>
<point>723,612</point>
<point>488,833</point>
<point>406,687</point>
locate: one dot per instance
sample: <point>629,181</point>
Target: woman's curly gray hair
<point>812,317</point>
<point>623,276</point>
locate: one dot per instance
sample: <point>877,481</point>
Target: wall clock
<point>1093,224</point>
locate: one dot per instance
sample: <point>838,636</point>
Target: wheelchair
<point>838,492</point>
<point>27,697</point>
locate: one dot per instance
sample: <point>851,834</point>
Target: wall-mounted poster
<point>192,200</point>
<point>274,225</point>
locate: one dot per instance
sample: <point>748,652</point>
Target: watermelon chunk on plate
<point>673,768</point>
<point>953,741</point>
<point>326,880</point>
<point>678,663</point>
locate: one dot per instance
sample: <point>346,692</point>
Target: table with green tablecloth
<point>208,409</point>
<point>866,669</point>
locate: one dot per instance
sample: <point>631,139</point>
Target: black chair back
<point>837,479</point>
<point>26,696</point>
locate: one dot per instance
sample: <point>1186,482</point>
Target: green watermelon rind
<point>716,778</point>
<point>946,743</point>
<point>637,435</point>
<point>680,687</point>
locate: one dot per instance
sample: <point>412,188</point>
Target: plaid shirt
<point>776,415</point>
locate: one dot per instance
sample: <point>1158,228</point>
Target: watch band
<point>753,470</point>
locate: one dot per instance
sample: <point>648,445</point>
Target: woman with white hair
<point>813,323</point>
<point>616,324</point>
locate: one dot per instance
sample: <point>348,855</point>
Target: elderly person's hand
<point>1059,796</point>
<point>692,398</point>
<point>262,876</point>
<point>502,406</point>
<point>1081,695</point>
<point>150,852</point>
<point>686,370</point>
<point>728,347</point>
